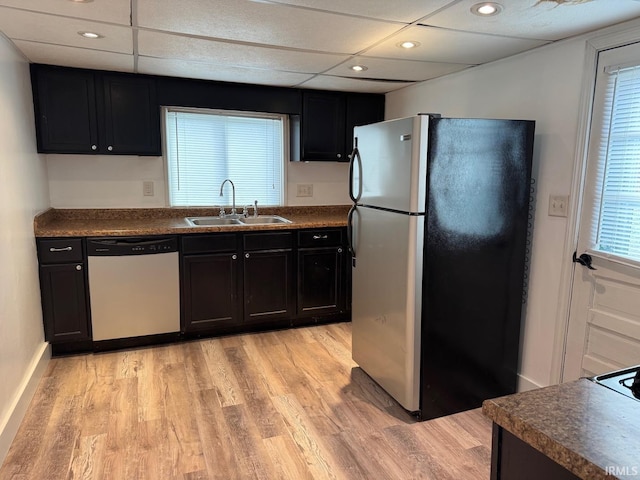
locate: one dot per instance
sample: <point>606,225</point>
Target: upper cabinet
<point>82,111</point>
<point>328,119</point>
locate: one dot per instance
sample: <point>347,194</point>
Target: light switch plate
<point>558,205</point>
<point>147,188</point>
<point>304,190</point>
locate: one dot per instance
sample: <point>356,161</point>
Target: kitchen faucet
<point>233,190</point>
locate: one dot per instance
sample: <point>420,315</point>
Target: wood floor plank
<point>275,405</point>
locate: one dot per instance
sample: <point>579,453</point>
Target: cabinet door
<point>321,282</point>
<point>209,292</point>
<point>269,290</point>
<point>64,302</point>
<point>323,124</point>
<point>131,116</point>
<point>65,108</point>
<point>362,110</point>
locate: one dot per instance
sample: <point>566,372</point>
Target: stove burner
<point>626,382</point>
<point>635,386</point>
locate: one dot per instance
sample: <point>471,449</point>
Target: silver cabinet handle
<point>110,148</point>
<point>246,255</point>
<point>339,250</point>
<point>320,237</point>
<point>339,155</point>
<point>78,267</point>
<point>234,257</point>
<point>64,249</point>
<point>94,147</point>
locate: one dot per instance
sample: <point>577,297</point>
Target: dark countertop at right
<point>583,426</point>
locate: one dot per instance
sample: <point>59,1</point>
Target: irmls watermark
<point>622,470</point>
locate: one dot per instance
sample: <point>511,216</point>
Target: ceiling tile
<point>448,46</point>
<point>110,11</point>
<point>540,19</point>
<point>155,44</point>
<point>39,27</point>
<point>326,82</point>
<point>75,57</point>
<point>406,11</point>
<point>209,71</point>
<point>383,68</point>
<point>271,24</point>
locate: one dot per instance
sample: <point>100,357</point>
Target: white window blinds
<point>203,148</point>
<point>618,230</point>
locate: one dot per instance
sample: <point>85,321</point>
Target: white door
<point>604,324</point>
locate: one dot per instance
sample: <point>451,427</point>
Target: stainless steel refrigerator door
<point>387,300</point>
<point>393,168</point>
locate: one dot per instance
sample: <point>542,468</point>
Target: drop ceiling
<point>295,43</point>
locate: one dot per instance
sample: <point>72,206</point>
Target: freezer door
<point>393,158</point>
<point>387,300</point>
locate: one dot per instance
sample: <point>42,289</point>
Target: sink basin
<point>264,220</point>
<point>217,221</point>
<point>211,221</point>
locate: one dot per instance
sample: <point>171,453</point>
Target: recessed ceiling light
<point>90,35</point>
<point>486,9</point>
<point>408,44</point>
<point>358,68</point>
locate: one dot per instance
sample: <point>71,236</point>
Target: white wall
<point>542,85</point>
<point>23,193</point>
<point>102,181</point>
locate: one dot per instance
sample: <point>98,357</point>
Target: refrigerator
<point>438,235</point>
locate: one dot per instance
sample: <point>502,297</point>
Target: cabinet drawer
<point>226,242</point>
<point>60,250</point>
<point>320,237</point>
<point>268,241</point>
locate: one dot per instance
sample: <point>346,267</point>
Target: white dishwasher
<point>134,286</point>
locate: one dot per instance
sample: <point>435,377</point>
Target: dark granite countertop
<point>162,221</point>
<point>581,425</point>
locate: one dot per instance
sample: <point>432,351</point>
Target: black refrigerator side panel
<point>475,240</point>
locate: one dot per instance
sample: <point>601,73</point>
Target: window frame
<point>286,146</point>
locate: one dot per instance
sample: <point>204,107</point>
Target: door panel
<point>386,303</point>
<point>604,328</point>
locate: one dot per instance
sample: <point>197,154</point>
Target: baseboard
<point>10,424</point>
<point>525,384</point>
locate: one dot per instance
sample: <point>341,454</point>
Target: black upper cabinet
<point>81,111</point>
<point>66,115</point>
<point>131,115</point>
<point>323,124</point>
<point>328,119</point>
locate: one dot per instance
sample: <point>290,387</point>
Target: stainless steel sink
<point>211,221</point>
<point>219,221</point>
<point>264,220</point>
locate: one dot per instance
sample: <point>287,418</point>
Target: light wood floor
<point>278,405</point>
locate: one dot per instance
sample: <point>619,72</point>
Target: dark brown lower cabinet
<point>321,278</point>
<point>513,459</point>
<point>64,303</point>
<point>210,291</point>
<point>269,292</point>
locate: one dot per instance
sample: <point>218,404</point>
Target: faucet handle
<point>245,211</point>
<point>221,214</point>
<point>255,208</point>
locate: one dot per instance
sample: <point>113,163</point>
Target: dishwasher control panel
<point>118,246</point>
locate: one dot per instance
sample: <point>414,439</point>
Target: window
<point>205,147</point>
<point>616,201</point>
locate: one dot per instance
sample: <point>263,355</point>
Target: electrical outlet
<point>558,205</point>
<point>304,190</point>
<point>147,188</point>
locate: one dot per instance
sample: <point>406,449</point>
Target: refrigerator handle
<point>355,155</point>
<point>352,248</point>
